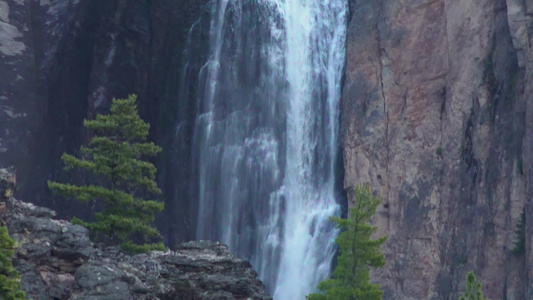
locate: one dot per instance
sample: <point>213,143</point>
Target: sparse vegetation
<point>472,288</point>
<point>462,260</point>
<point>439,151</point>
<point>520,231</point>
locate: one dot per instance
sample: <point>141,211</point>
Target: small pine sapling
<point>358,254</point>
<point>10,287</point>
<point>472,288</point>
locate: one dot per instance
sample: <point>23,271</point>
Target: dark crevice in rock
<point>381,50</point>
<point>176,174</point>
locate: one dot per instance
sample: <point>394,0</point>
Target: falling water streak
<point>266,136</point>
<point>302,264</point>
<point>212,68</point>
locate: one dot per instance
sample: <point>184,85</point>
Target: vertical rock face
<point>437,118</point>
<point>22,88</point>
<point>64,60</point>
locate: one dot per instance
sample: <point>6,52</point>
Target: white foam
<point>266,141</point>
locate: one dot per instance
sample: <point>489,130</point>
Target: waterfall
<point>265,139</point>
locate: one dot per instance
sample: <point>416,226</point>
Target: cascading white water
<point>266,137</point>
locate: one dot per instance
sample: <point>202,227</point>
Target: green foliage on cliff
<point>358,253</point>
<point>472,288</point>
<point>520,231</point>
<point>439,151</point>
<point>114,156</point>
<point>10,287</point>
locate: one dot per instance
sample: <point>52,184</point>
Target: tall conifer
<point>115,154</point>
<point>358,253</point>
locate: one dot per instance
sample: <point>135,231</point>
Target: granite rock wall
<point>436,118</point>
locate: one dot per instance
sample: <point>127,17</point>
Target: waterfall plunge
<point>266,137</point>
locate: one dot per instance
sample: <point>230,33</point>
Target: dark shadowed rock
<point>62,61</point>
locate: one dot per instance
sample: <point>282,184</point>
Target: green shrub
<point>439,151</point>
<point>472,288</point>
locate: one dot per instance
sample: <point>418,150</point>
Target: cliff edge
<point>56,260</point>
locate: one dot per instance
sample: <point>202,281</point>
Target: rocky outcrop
<point>64,60</point>
<point>437,118</point>
<point>57,260</point>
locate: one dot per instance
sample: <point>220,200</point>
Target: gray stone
<point>436,116</point>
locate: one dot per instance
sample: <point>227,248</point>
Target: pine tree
<point>473,288</point>
<point>115,154</point>
<point>10,287</point>
<point>358,253</point>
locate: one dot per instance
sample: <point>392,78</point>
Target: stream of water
<point>266,137</point>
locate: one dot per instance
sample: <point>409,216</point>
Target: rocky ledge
<point>56,260</point>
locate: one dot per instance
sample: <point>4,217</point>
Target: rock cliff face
<point>437,117</point>
<point>64,60</point>
<point>56,260</point>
